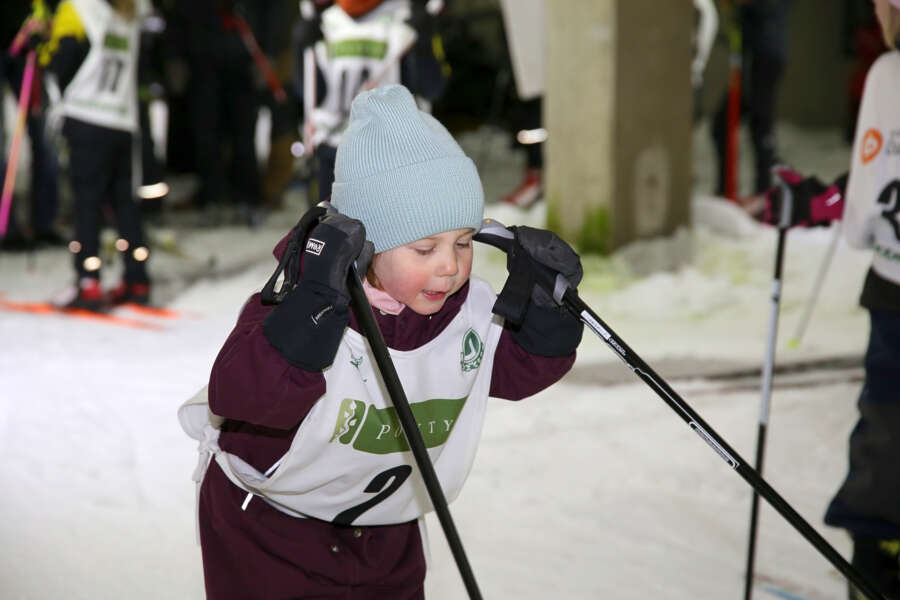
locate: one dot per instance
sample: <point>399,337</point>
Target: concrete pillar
<point>617,108</point>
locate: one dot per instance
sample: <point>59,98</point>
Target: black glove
<point>307,326</point>
<point>538,322</point>
<point>813,203</point>
<point>550,250</point>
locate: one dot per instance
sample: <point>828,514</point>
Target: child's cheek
<point>407,288</point>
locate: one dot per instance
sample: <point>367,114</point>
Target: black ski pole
<point>369,327</point>
<point>766,385</point>
<point>496,234</point>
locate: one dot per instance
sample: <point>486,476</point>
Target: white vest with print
<point>104,89</point>
<point>349,461</point>
<point>352,52</point>
<point>872,209</point>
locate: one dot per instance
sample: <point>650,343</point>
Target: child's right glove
<point>538,323</point>
<point>812,202</point>
<point>307,327</point>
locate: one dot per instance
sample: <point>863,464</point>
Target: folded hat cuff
<point>408,203</point>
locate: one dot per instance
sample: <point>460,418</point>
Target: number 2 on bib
<point>382,485</point>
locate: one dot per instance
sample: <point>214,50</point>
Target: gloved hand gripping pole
<point>496,234</point>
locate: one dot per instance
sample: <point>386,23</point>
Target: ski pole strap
<point>525,272</point>
<point>289,264</point>
<point>516,293</point>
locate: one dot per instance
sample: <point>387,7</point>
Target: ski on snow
<point>124,315</point>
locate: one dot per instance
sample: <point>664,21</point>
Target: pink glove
<point>812,202</point>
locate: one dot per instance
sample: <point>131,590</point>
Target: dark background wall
<point>815,88</point>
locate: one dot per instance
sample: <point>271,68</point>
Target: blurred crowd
<point>217,65</point>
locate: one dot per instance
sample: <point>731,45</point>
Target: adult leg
<point>765,76</point>
<point>205,98</point>
<point>128,212</point>
<point>720,141</point>
<point>44,182</point>
<point>325,156</point>
<point>89,176</point>
<point>243,108</point>
<point>867,503</point>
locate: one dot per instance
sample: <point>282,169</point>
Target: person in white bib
<point>868,201</point>
<point>93,55</point>
<point>308,486</point>
<point>357,45</point>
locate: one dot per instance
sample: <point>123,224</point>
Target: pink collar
<point>382,300</point>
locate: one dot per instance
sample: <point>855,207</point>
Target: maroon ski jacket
<point>261,552</point>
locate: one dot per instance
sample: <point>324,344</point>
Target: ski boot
<point>529,191</point>
<point>135,293</point>
<point>88,296</point>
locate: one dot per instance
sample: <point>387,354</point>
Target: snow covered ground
<point>592,489</point>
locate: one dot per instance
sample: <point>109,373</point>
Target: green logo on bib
<point>378,430</point>
<point>350,417</point>
<point>472,351</point>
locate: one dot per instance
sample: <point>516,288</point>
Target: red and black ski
<point>110,318</point>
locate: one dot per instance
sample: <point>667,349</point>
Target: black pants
<point>868,502</point>
<point>100,175</point>
<point>325,157</point>
<point>527,115</point>
<point>223,110</point>
<point>758,91</point>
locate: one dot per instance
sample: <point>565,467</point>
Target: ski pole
<point>369,328</point>
<point>12,165</point>
<point>309,99</point>
<point>262,63</point>
<point>817,287</point>
<point>766,386</point>
<point>496,234</point>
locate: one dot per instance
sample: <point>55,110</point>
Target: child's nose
<point>448,265</point>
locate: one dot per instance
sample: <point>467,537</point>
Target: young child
<point>93,53</point>
<point>867,503</point>
<point>308,487</point>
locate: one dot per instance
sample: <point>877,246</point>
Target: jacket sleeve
<point>250,381</point>
<point>518,373</point>
<point>68,45</point>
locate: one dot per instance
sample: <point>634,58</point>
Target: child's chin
<point>428,310</point>
<point>427,307</point>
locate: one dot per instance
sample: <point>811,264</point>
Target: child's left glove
<point>538,322</point>
<point>308,325</point>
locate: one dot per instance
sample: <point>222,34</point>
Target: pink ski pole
<point>9,182</point>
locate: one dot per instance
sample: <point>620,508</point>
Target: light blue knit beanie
<point>401,173</point>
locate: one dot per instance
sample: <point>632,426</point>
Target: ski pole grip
<point>494,233</point>
<point>787,202</point>
<point>358,266</point>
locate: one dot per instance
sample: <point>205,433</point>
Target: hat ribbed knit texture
<point>401,173</point>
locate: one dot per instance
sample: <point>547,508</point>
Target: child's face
<point>424,273</point>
